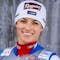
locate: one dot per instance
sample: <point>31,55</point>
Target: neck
<point>25,49</point>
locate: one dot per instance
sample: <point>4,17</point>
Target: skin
<point>28,30</point>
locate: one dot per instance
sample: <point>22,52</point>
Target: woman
<point>30,20</point>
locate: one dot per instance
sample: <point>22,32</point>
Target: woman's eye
<point>35,23</point>
<point>23,21</point>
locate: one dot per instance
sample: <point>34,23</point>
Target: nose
<point>28,26</point>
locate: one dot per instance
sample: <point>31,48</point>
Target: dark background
<point>51,34</point>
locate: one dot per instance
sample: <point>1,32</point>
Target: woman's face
<point>28,30</point>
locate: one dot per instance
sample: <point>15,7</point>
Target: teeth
<point>27,33</point>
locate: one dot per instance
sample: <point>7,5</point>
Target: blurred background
<point>51,35</point>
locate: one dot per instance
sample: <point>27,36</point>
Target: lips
<point>27,33</point>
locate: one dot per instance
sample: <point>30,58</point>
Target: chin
<point>27,41</point>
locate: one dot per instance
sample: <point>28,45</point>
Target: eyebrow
<point>32,20</point>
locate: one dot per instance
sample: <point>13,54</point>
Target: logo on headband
<point>31,13</point>
<point>32,6</point>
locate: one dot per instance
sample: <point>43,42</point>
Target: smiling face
<point>28,30</point>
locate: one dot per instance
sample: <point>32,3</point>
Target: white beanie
<point>31,9</point>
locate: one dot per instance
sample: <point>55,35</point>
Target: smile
<point>27,33</point>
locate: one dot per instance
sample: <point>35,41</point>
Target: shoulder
<point>48,55</point>
<point>6,52</point>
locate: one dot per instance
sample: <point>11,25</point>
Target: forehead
<point>29,19</point>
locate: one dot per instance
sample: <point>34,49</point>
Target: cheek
<point>17,32</point>
<point>19,26</point>
<point>37,32</point>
